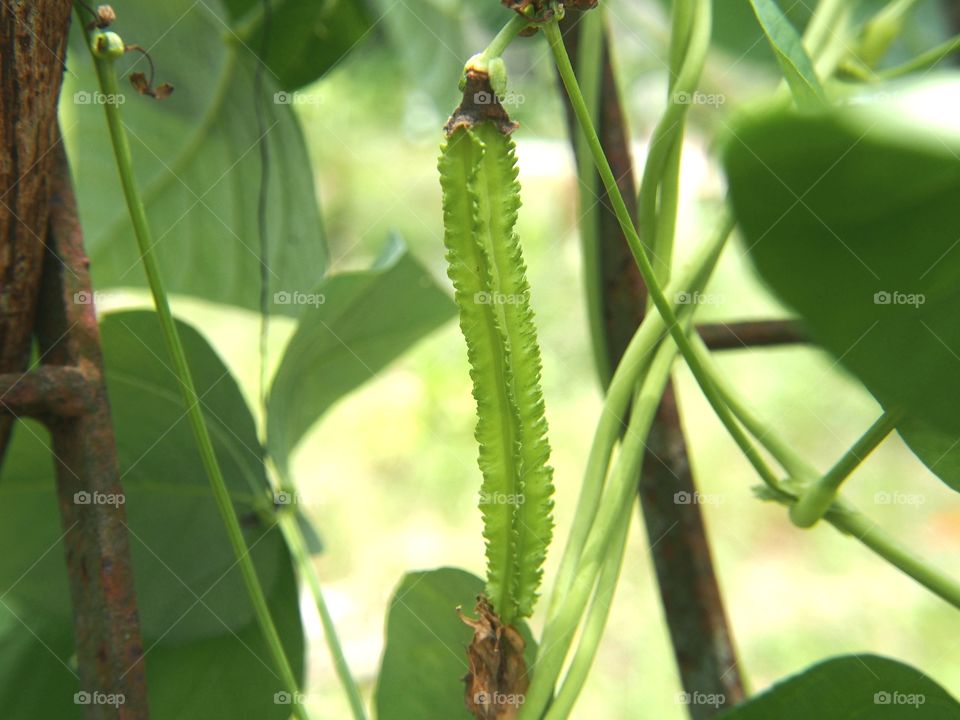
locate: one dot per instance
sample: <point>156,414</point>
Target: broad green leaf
<point>425,659</point>
<point>197,162</point>
<point>306,37</point>
<point>351,327</point>
<point>851,687</point>
<point>852,220</point>
<point>939,451</point>
<point>791,56</point>
<point>179,546</point>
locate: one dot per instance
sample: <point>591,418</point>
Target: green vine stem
<point>659,187</point>
<point>631,369</point>
<point>842,515</point>
<point>596,621</point>
<point>818,497</point>
<point>292,533</point>
<point>663,306</point>
<point>589,70</point>
<point>564,616</point>
<point>104,51</point>
<point>924,61</point>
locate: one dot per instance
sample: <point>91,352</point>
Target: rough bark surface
<point>33,37</point>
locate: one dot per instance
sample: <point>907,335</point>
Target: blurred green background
<point>390,477</point>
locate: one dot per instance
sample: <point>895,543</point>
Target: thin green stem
<point>107,76</point>
<point>817,499</point>
<point>852,522</point>
<point>780,449</point>
<point>659,187</point>
<point>589,68</point>
<point>629,373</point>
<point>505,36</point>
<point>596,621</point>
<point>298,550</point>
<point>924,61</point>
<point>881,30</point>
<point>564,616</point>
<point>660,301</point>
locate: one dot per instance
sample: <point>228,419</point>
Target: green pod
<point>481,198</point>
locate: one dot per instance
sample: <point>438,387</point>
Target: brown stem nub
<point>479,104</point>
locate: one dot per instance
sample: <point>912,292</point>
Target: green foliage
<point>197,163</point>
<point>179,547</point>
<point>791,56</point>
<point>306,38</point>
<point>852,687</point>
<point>937,449</point>
<point>481,199</point>
<point>851,223</point>
<point>361,321</point>
<point>424,660</point>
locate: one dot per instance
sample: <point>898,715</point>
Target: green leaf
<point>791,55</point>
<point>306,37</point>
<point>852,220</point>
<point>852,687</point>
<point>939,451</point>
<point>425,659</point>
<point>179,546</point>
<point>358,323</point>
<point>197,162</point>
